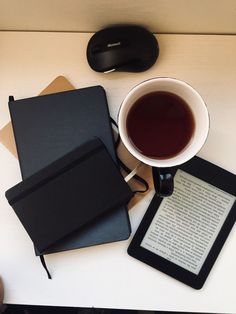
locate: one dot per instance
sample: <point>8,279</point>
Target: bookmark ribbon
<point>45,266</point>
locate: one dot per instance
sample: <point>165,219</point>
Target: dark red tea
<point>160,125</point>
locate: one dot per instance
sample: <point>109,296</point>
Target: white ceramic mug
<point>201,117</point>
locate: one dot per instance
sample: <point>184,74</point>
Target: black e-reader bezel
<point>211,174</point>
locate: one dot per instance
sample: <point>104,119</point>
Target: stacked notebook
<point>46,128</point>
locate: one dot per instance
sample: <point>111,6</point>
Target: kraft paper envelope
<point>60,84</point>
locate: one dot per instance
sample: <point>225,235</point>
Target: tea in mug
<point>160,125</point>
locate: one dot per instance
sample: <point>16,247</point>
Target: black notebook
<point>47,128</point>
<point>69,193</point>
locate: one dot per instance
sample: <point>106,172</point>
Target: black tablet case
<point>48,127</point>
<point>66,195</point>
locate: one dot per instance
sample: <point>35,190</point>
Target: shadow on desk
<point>27,309</point>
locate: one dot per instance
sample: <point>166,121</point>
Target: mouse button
<point>132,66</point>
<point>96,49</point>
<point>114,55</point>
<point>103,61</point>
<point>107,61</point>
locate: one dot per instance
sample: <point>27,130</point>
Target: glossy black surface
<point>122,48</point>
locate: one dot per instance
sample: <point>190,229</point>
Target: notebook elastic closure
<point>68,194</point>
<point>52,171</point>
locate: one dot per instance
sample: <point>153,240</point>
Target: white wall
<point>160,16</point>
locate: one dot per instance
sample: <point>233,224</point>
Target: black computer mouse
<point>122,48</point>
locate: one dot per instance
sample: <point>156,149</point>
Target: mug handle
<point>163,181</point>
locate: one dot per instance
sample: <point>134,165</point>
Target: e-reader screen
<point>187,223</point>
<point>182,235</point>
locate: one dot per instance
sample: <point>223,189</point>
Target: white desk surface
<point>105,276</point>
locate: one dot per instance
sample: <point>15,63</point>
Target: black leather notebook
<point>69,193</point>
<point>47,128</point>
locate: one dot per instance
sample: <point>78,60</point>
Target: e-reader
<point>183,234</point>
